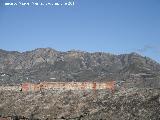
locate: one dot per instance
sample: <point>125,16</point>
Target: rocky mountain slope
<point>129,104</point>
<point>46,64</point>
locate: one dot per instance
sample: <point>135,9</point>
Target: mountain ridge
<point>42,64</point>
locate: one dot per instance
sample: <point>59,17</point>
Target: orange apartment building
<point>68,86</point>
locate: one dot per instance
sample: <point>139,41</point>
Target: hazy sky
<point>115,26</point>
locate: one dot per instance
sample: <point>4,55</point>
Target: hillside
<point>46,64</point>
<point>131,104</point>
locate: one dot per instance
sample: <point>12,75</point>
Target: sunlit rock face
<point>42,64</point>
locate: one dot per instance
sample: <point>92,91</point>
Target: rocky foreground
<point>124,104</point>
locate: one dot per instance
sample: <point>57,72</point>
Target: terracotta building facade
<point>68,86</point>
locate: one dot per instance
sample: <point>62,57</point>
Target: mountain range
<point>47,64</point>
